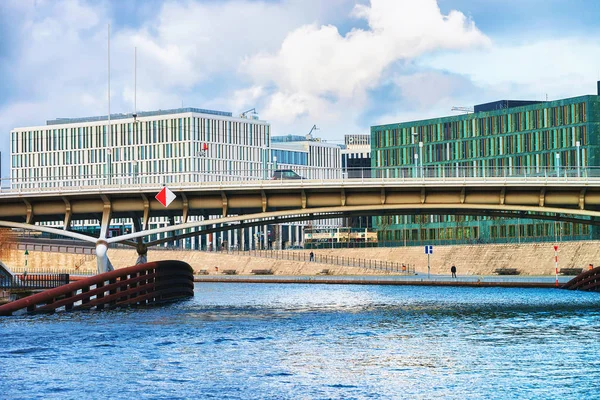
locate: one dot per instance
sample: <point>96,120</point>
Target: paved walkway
<point>420,280</point>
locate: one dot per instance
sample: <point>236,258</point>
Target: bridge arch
<point>384,209</point>
<point>306,214</point>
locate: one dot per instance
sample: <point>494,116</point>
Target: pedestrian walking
<point>312,256</point>
<point>453,270</point>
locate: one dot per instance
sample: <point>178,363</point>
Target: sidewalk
<point>417,280</point>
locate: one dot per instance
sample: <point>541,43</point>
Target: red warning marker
<point>165,197</point>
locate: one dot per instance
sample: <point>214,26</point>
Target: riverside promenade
<point>399,280</point>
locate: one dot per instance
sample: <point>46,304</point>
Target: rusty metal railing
<point>143,284</point>
<point>586,281</point>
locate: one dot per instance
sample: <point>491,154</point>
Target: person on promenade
<point>453,270</point>
<point>312,256</point>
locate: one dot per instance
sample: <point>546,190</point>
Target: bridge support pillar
<point>102,260</point>
<point>142,251</point>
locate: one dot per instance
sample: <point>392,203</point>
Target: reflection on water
<point>314,341</point>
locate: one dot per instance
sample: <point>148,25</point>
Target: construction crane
<point>252,110</point>
<point>463,109</point>
<point>309,136</point>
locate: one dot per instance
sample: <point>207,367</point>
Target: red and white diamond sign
<point>165,197</point>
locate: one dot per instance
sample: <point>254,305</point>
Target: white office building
<point>311,158</point>
<point>356,155</point>
<point>186,144</point>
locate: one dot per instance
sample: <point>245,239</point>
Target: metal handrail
<point>320,177</point>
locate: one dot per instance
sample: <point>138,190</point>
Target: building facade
<point>186,144</point>
<point>310,158</point>
<point>560,137</point>
<point>356,163</point>
<point>356,155</point>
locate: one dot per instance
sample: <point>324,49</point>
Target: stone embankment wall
<point>529,259</point>
<point>41,261</point>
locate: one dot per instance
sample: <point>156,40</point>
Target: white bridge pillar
<point>102,260</point>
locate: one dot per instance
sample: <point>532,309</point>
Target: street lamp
<point>421,157</point>
<point>414,142</point>
<point>577,146</point>
<point>26,262</point>
<point>416,165</point>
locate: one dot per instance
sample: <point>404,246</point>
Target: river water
<point>270,341</point>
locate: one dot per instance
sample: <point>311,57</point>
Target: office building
<point>356,163</point>
<point>356,155</point>
<point>504,137</point>
<point>308,158</point>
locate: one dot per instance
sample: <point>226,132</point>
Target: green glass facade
<point>524,138</point>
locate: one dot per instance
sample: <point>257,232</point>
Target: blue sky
<point>343,65</point>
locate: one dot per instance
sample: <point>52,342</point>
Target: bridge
<point>567,195</point>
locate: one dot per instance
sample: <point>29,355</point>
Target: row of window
<point>566,158</point>
<point>144,132</point>
<point>138,154</point>
<point>496,232</point>
<point>539,230</point>
<point>544,142</point>
<point>496,146</point>
<point>290,157</point>
<point>179,170</point>
<point>473,126</point>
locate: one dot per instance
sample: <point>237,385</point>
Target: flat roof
<point>60,121</point>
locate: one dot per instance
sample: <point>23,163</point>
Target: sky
<point>342,65</point>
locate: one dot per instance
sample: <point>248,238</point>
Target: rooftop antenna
<point>309,136</point>
<point>108,128</point>
<point>108,132</point>
<point>466,110</point>
<point>252,110</point>
<point>134,84</point>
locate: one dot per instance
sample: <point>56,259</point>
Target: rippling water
<point>314,341</point>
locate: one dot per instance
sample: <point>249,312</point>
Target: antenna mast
<point>134,84</point>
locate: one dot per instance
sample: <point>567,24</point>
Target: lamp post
<point>26,262</point>
<point>557,165</point>
<point>577,147</point>
<point>274,163</point>
<point>416,165</point>
<point>414,142</point>
<point>421,158</point>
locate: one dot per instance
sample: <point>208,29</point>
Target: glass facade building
<point>509,139</point>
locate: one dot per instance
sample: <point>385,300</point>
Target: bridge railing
<point>294,174</point>
<point>304,256</point>
<point>33,281</point>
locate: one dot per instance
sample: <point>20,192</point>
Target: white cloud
<point>561,68</point>
<point>317,71</point>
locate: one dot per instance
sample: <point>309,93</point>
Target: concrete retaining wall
<point>530,259</point>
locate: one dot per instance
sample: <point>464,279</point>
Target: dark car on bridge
<point>285,174</point>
